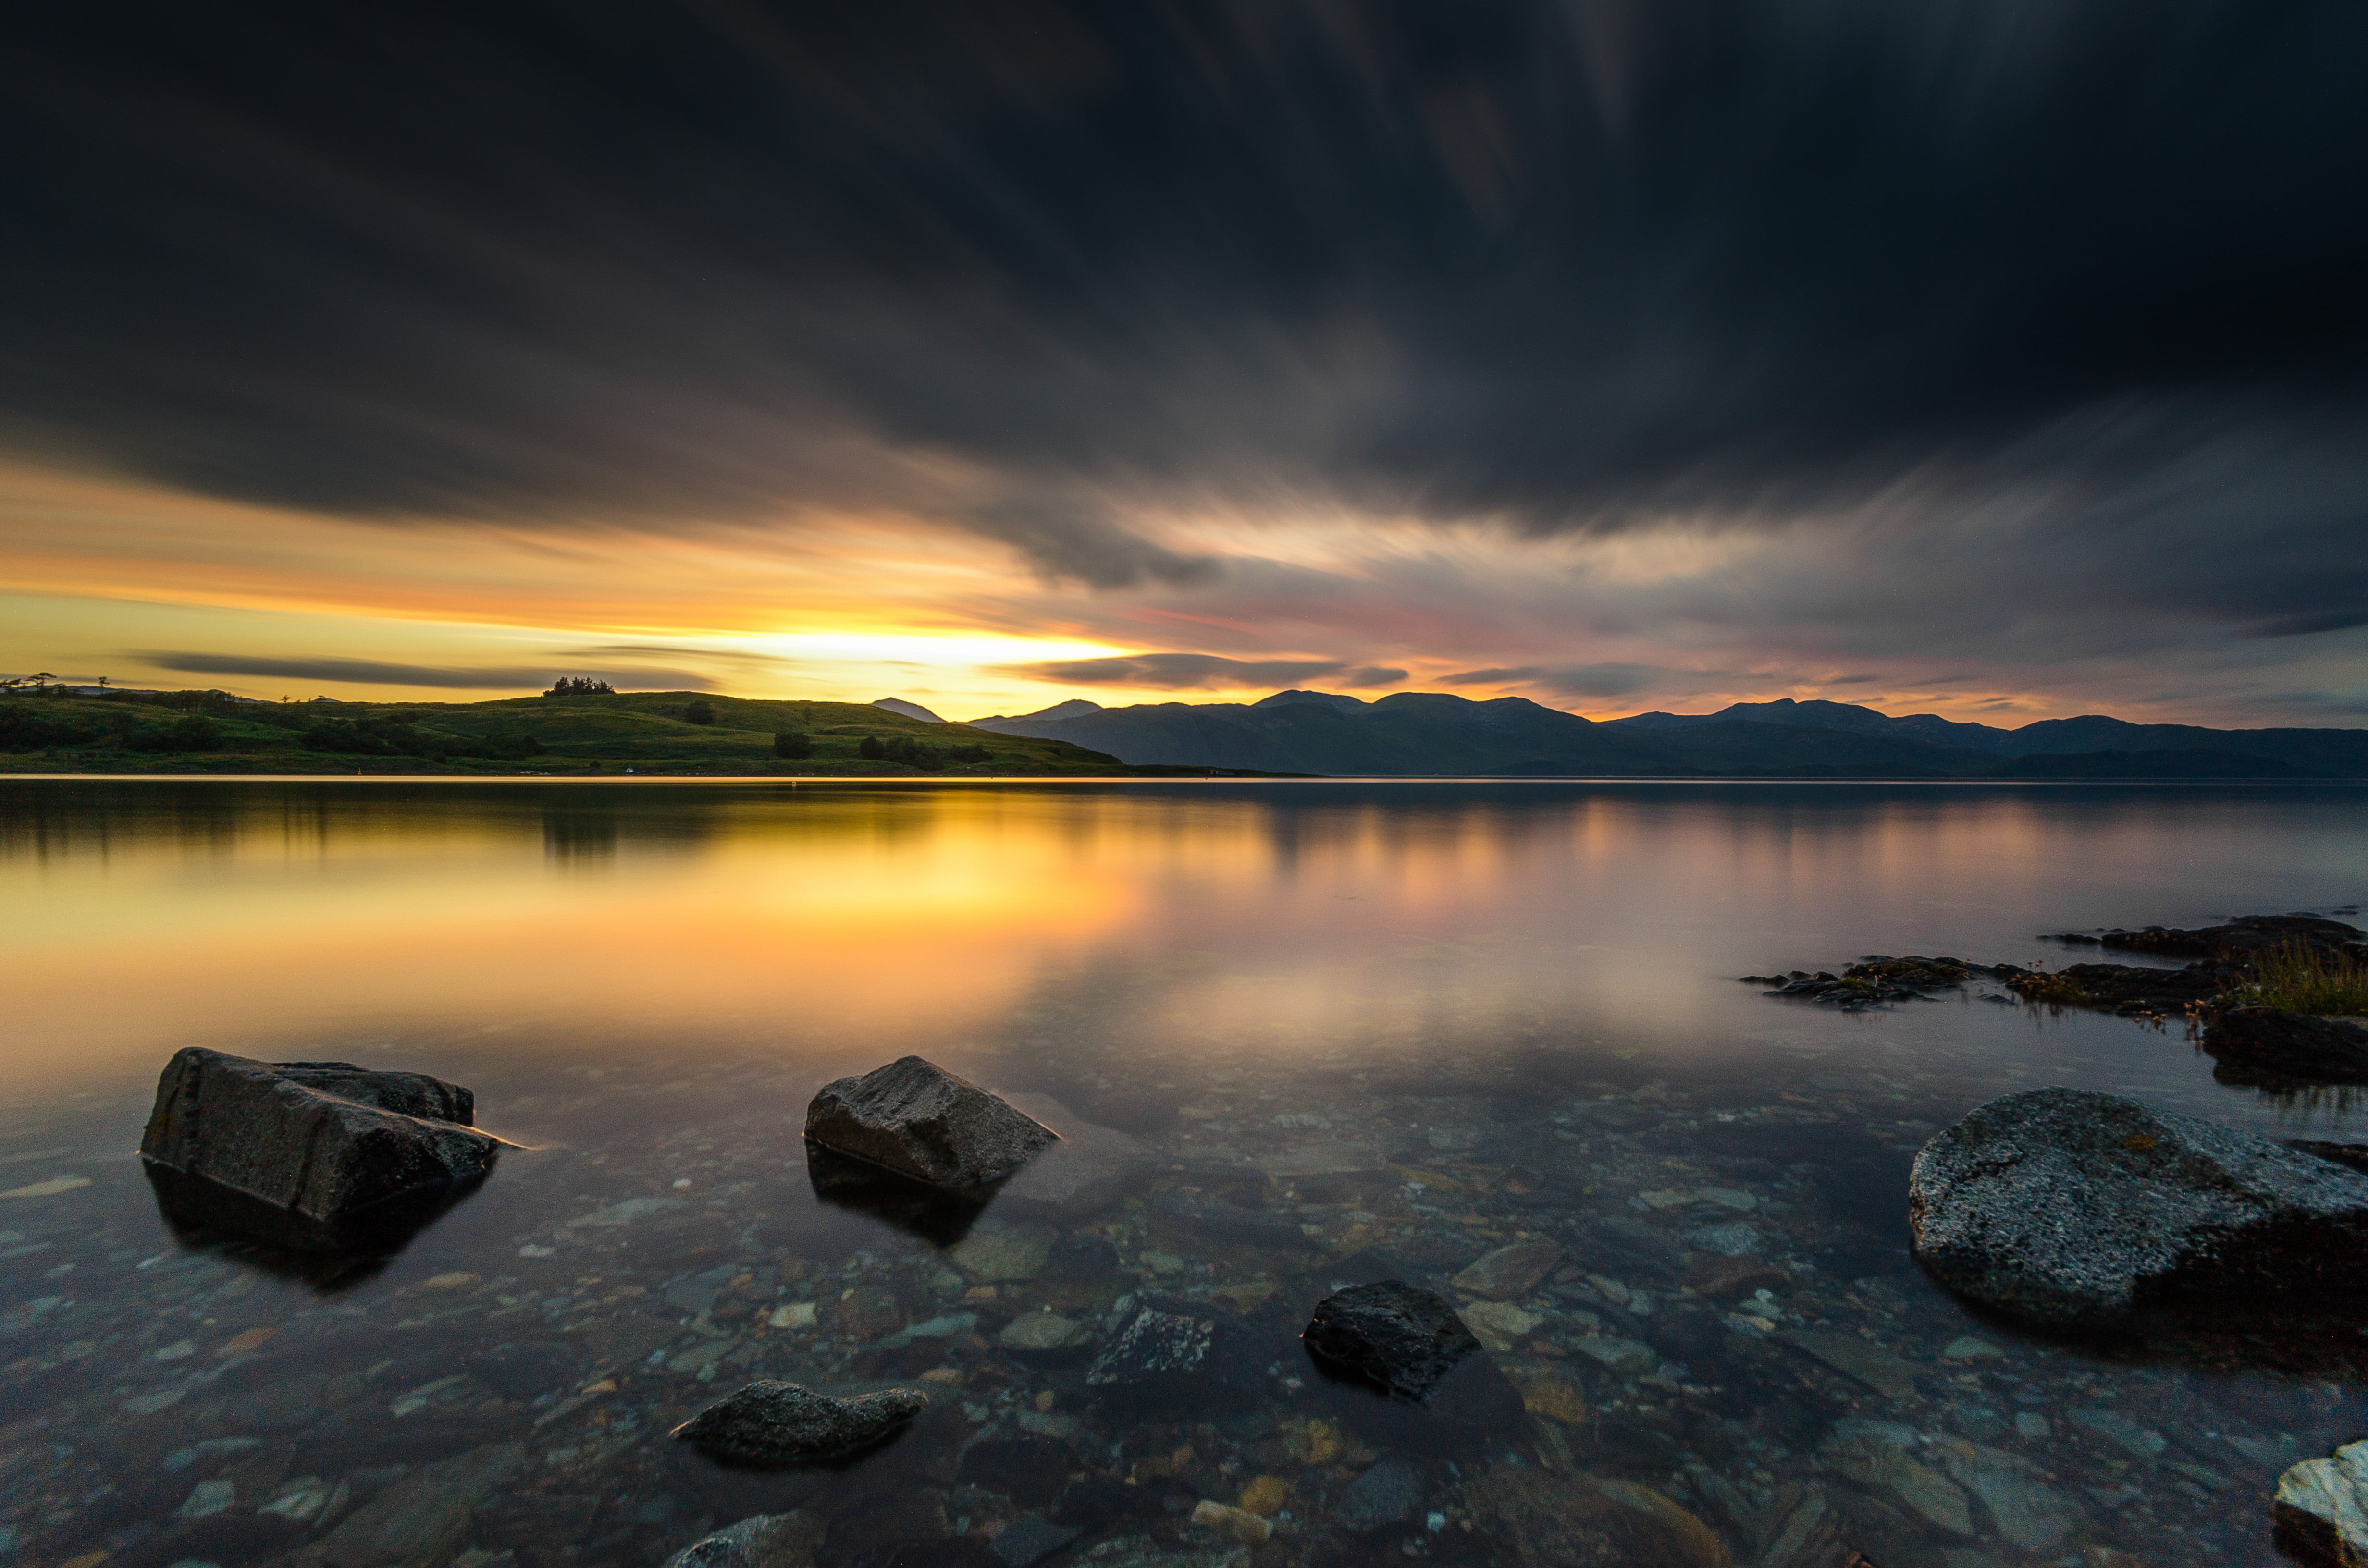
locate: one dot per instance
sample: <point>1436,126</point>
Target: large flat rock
<point>2074,1208</point>
<point>915,1119</point>
<point>324,1146</point>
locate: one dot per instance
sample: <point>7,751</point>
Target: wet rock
<point>2321,1510</point>
<point>1042,1331</point>
<point>1630,1357</point>
<point>1161,1344</point>
<point>422,1519</point>
<point>919,1120</point>
<point>1846,1353</point>
<point>778,1422</point>
<point>265,1150</point>
<point>1004,1253</point>
<point>1412,1345</point>
<point>1509,1272</point>
<point>1391,1493</point>
<point>1496,1324</point>
<point>2299,1046</point>
<point>1239,1524</point>
<point>764,1540</point>
<point>1879,1454</point>
<point>2027,1511</point>
<point>2071,1207</point>
<point>1403,1339</point>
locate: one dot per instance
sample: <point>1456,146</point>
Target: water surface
<point>1353,1028</point>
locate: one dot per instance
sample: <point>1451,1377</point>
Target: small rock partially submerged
<point>2322,1510</point>
<point>762,1540</point>
<point>2243,938</point>
<point>2070,1208</point>
<point>1164,1344</point>
<point>771,1423</point>
<point>915,1119</point>
<point>1412,1345</point>
<point>2271,1043</point>
<point>319,1155</point>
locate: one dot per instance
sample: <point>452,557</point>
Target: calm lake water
<point>1352,1030</point>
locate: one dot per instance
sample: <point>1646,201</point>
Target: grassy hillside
<point>646,731</point>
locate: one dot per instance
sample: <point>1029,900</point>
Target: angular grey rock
<point>919,1120</point>
<point>2070,1208</point>
<point>762,1540</point>
<point>1410,1344</point>
<point>1389,1494</point>
<point>2321,1511</point>
<point>777,1423</point>
<point>318,1143</point>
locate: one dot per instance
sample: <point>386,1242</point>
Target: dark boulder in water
<point>1409,1343</point>
<point>2271,1043</point>
<point>919,1120</point>
<point>2073,1209</point>
<point>1398,1335</point>
<point>771,1423</point>
<point>309,1155</point>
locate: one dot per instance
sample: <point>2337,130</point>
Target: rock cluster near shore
<point>311,1154</point>
<point>2073,1209</point>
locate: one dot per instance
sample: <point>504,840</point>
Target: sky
<point>2000,358</point>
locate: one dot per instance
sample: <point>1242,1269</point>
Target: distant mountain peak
<point>1074,707</point>
<point>1327,698</point>
<point>909,710</point>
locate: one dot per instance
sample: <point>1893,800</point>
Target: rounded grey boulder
<point>778,1422</point>
<point>915,1119</point>
<point>2073,1209</point>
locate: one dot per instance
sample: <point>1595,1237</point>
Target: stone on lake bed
<point>1005,1253</point>
<point>764,1540</point>
<point>1509,1271</point>
<point>1870,1363</point>
<point>2321,1511</point>
<point>2071,1207</point>
<point>915,1119</point>
<point>300,1152</point>
<point>1498,1324</point>
<point>1239,1523</point>
<point>1041,1331</point>
<point>1404,1338</point>
<point>1630,1357</point>
<point>778,1423</point>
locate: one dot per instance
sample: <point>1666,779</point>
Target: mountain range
<point>1434,732</point>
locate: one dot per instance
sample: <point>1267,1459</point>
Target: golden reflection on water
<point>267,918</point>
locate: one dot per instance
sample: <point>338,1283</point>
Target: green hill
<point>680,733</point>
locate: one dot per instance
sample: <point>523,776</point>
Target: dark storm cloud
<point>370,672</point>
<point>1025,267</point>
<point>1184,672</point>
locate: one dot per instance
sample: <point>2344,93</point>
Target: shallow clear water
<point>1354,1030</point>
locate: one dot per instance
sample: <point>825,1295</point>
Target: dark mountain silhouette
<point>1432,733</point>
